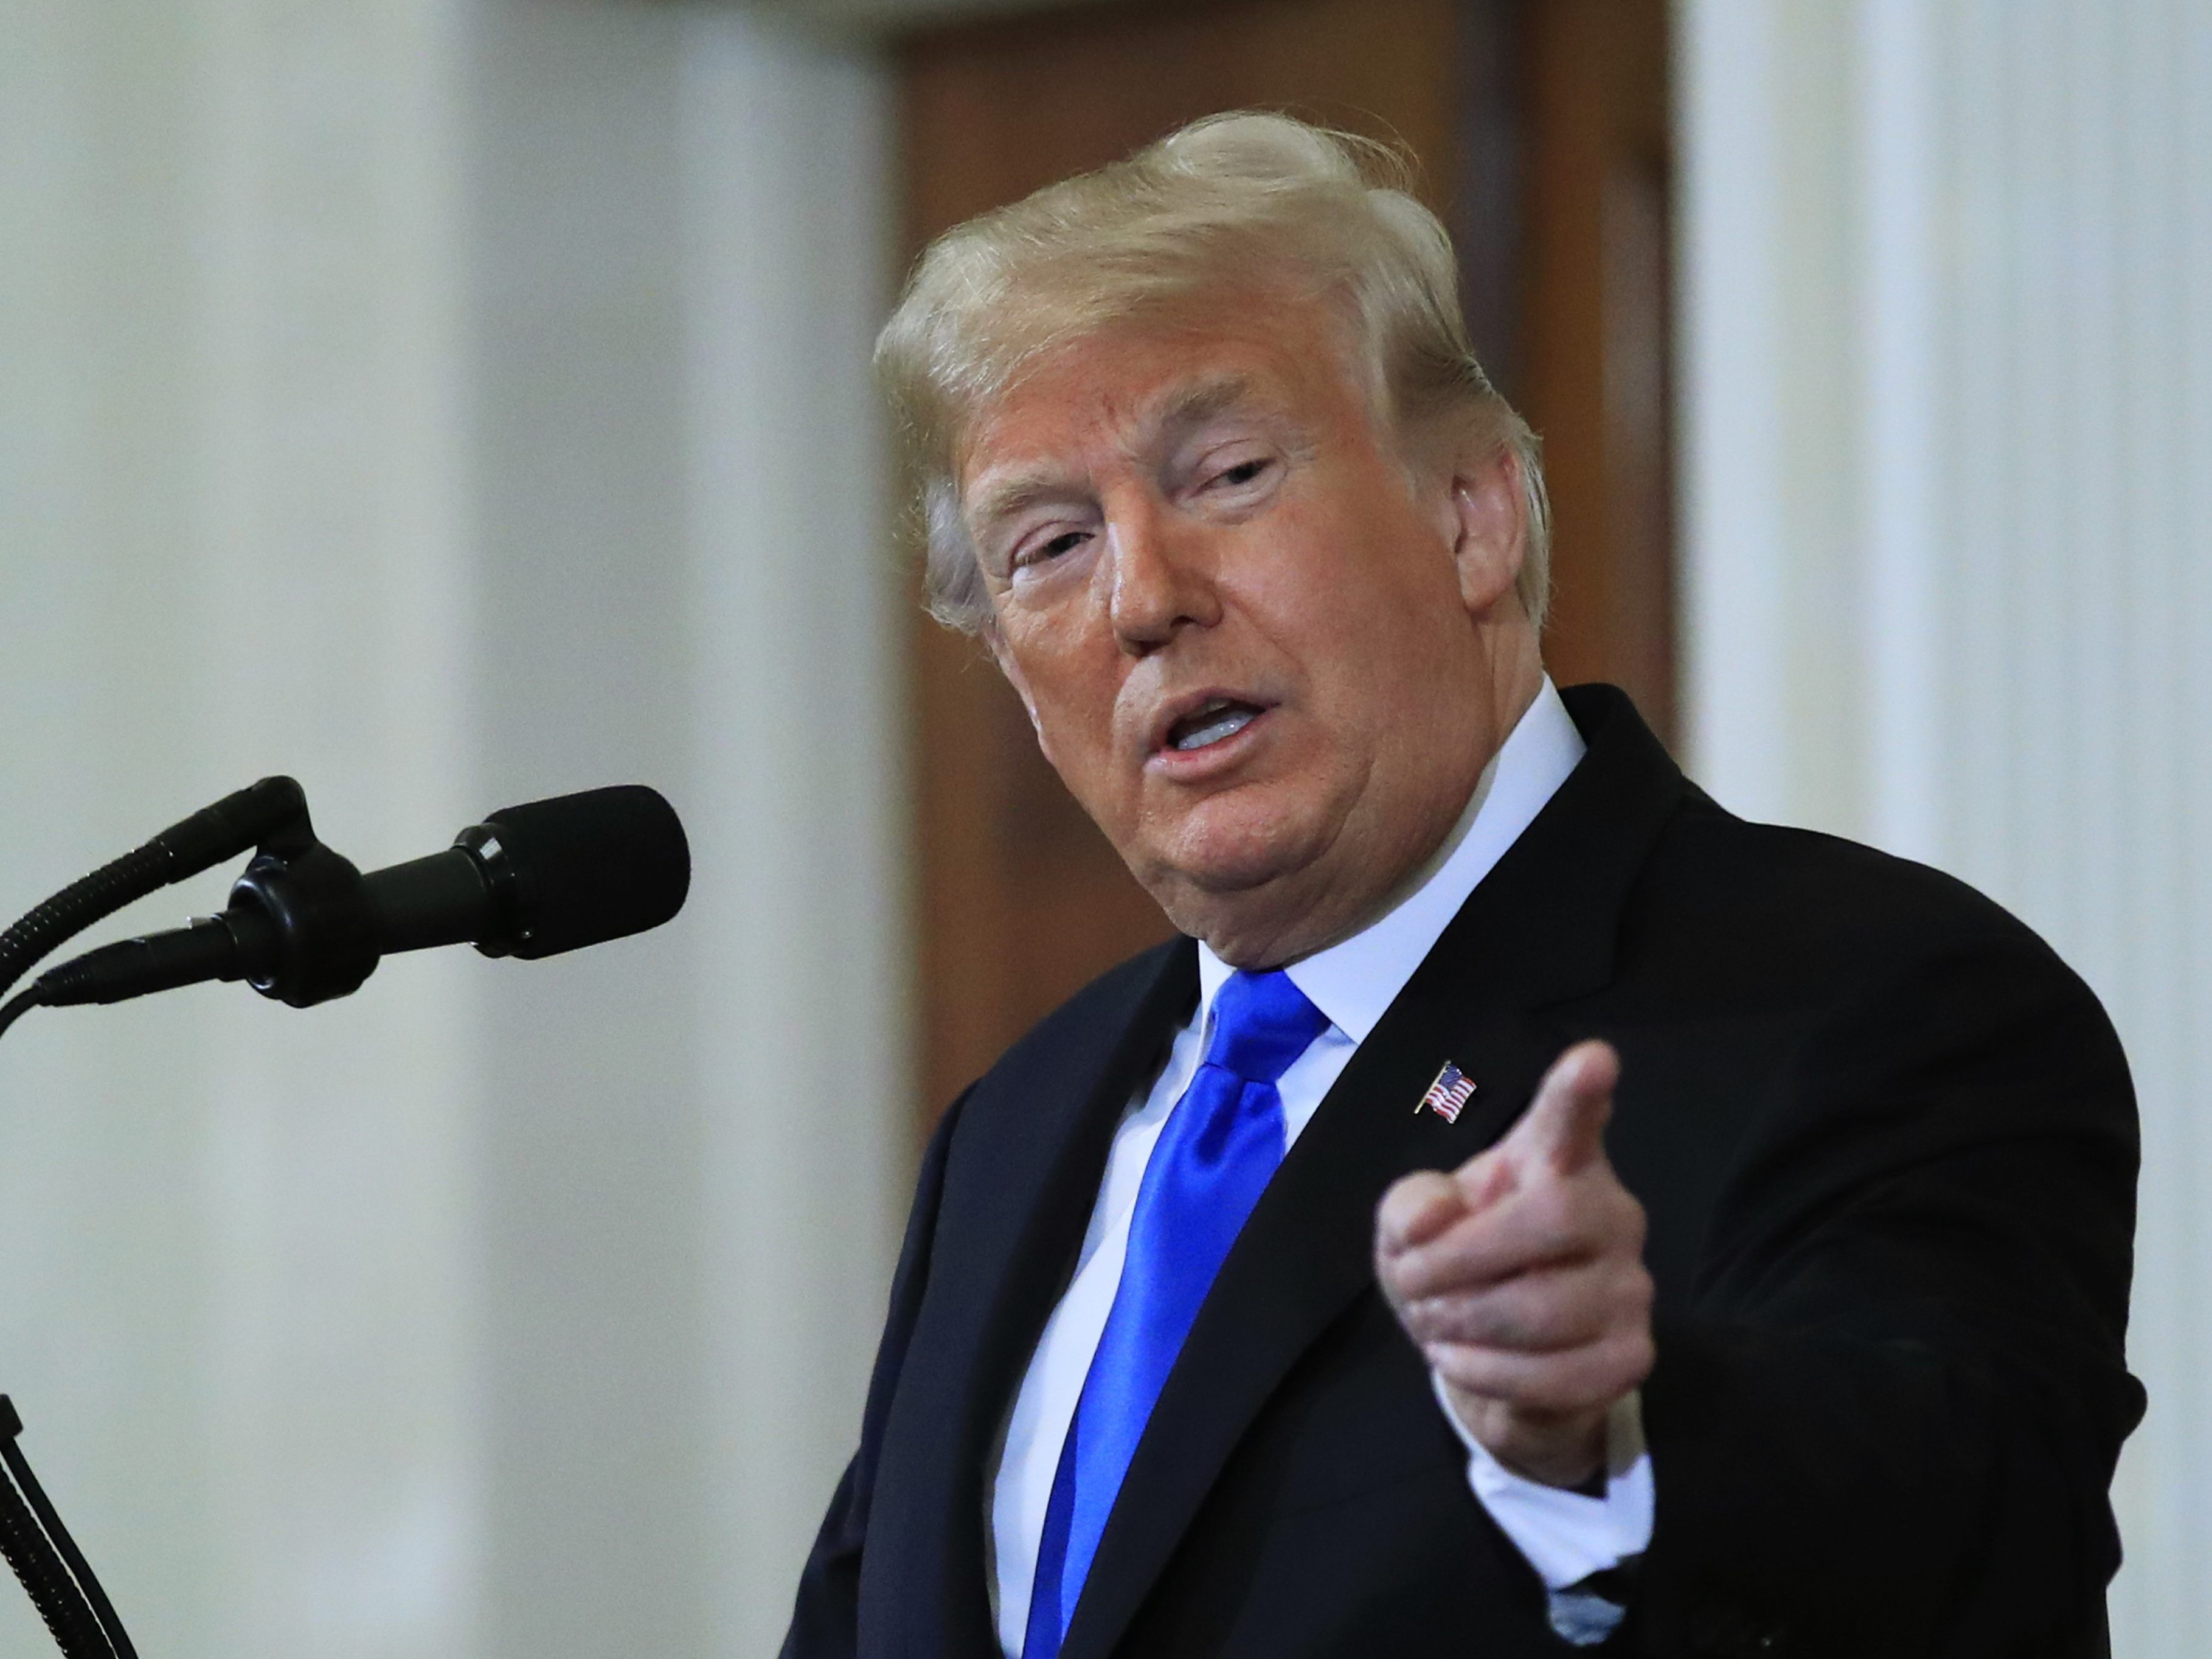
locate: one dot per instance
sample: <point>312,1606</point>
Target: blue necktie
<point>1221,1143</point>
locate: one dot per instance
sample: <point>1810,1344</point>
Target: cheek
<point>1070,701</point>
<point>1379,652</point>
<point>1344,603</point>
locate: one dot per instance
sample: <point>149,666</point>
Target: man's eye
<point>1243,472</point>
<point>1036,552</point>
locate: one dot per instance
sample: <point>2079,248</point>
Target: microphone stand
<point>46,1560</point>
<point>306,926</point>
<point>38,1547</point>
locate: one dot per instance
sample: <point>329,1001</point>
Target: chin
<point>1224,861</point>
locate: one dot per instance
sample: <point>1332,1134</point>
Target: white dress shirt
<point>1564,1536</point>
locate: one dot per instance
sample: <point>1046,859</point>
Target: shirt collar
<point>1354,980</point>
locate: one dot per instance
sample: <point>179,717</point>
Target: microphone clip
<point>304,921</point>
<point>301,928</point>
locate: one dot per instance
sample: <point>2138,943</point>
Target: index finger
<point>1564,1129</point>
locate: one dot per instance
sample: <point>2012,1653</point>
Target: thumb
<point>1564,1130</point>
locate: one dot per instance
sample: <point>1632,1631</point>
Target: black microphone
<point>304,925</point>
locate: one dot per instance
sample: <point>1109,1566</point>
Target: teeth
<point>1228,723</point>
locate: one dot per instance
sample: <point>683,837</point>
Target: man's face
<point>1269,660</point>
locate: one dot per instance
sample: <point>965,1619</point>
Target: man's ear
<point>1013,671</point>
<point>1489,526</point>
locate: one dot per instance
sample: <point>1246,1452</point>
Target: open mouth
<point>1216,721</point>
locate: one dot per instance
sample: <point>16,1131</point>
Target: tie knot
<point>1262,1023</point>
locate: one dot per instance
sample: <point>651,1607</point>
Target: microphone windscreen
<point>593,866</point>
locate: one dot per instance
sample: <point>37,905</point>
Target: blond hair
<point>1236,200</point>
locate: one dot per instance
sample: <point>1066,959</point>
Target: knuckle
<point>1450,1361</point>
<point>1503,1380</point>
<point>1603,1379</point>
<point>1631,1358</point>
<point>1462,1368</point>
<point>1552,1222</point>
<point>1395,1214</point>
<point>1635,1225</point>
<point>1387,1280</point>
<point>1402,1283</point>
<point>1506,1327</point>
<point>1628,1291</point>
<point>1472,1170</point>
<point>1439,1319</point>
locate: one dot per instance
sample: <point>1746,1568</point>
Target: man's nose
<point>1162,577</point>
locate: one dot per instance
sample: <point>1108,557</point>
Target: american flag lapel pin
<point>1448,1094</point>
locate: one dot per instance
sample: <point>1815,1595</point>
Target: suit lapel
<point>1539,929</point>
<point>1061,1159</point>
<point>1040,1126</point>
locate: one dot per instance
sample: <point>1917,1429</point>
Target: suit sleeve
<point>824,1625</point>
<point>1887,1420</point>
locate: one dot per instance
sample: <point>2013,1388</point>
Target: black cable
<point>232,826</point>
<point>69,1616</point>
<point>10,1012</point>
<point>77,906</point>
<point>37,1546</point>
<point>68,1619</point>
<point>19,1468</point>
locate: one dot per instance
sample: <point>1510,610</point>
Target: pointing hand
<point>1521,1277</point>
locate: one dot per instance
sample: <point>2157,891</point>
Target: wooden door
<point>1020,899</point>
<point>1592,374</point>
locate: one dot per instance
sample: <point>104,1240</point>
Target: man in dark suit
<point>1531,1208</point>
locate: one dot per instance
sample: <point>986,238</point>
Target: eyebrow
<point>1012,496</point>
<point>1194,405</point>
<point>1189,407</point>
